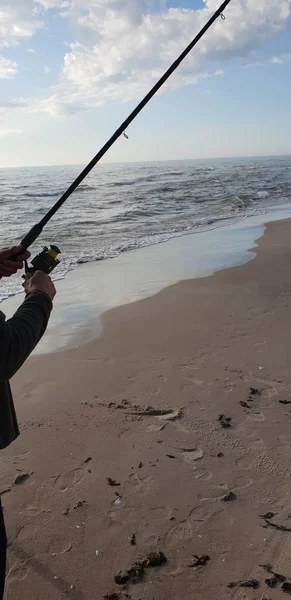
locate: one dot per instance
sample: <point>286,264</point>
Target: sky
<point>72,70</point>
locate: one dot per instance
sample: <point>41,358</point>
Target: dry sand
<point>197,347</point>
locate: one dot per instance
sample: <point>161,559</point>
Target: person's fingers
<point>6,271</point>
<point>14,265</point>
<point>7,252</point>
<point>25,256</point>
<point>27,278</point>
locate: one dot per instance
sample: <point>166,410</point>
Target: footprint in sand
<point>20,457</point>
<point>26,532</point>
<point>256,450</point>
<point>202,474</point>
<point>64,481</point>
<point>59,547</point>
<point>135,485</point>
<point>218,491</point>
<point>154,427</point>
<point>219,532</point>
<point>125,514</point>
<point>160,513</point>
<point>257,417</point>
<point>178,534</point>
<point>18,572</point>
<point>240,483</point>
<point>148,543</point>
<point>192,455</point>
<point>126,434</point>
<point>268,397</point>
<point>245,462</point>
<point>200,514</point>
<point>175,541</point>
<point>49,489</point>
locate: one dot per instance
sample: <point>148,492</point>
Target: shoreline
<point>76,319</point>
<point>201,348</point>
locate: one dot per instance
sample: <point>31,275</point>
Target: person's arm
<point>20,334</point>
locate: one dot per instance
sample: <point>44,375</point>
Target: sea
<point>122,207</point>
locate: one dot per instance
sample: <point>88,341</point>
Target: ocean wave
<point>150,240</point>
<point>234,202</point>
<point>86,188</point>
<point>122,183</point>
<point>42,194</point>
<point>174,173</point>
<point>165,189</point>
<point>146,179</point>
<point>121,208</point>
<point>263,194</point>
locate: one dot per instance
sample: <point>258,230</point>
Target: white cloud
<point>8,68</point>
<point>17,22</point>
<point>250,65</point>
<point>8,132</point>
<point>276,60</point>
<point>219,73</point>
<point>47,4</point>
<point>47,69</point>
<point>31,50</point>
<point>122,48</point>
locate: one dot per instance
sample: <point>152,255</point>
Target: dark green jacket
<point>18,337</point>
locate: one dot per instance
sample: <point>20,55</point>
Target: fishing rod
<point>47,260</point>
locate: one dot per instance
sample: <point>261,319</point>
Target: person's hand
<point>10,267</point>
<point>39,282</point>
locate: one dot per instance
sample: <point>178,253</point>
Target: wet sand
<point>215,352</point>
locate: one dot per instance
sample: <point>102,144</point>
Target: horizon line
<point>241,156</point>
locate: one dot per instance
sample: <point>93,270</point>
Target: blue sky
<point>71,71</point>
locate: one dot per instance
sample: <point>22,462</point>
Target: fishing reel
<point>45,261</point>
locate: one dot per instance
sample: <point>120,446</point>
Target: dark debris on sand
<point>229,497</point>
<point>268,515</point>
<point>275,579</point>
<point>286,587</point>
<point>21,478</point>
<point>272,582</point>
<point>244,404</point>
<point>199,561</point>
<point>116,596</point>
<point>79,504</point>
<point>136,572</point>
<point>112,482</point>
<point>254,393</point>
<point>267,567</point>
<point>224,421</point>
<point>269,523</point>
<point>250,583</point>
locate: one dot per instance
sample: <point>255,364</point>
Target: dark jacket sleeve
<point>20,334</point>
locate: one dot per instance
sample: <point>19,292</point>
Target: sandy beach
<point>169,433</point>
